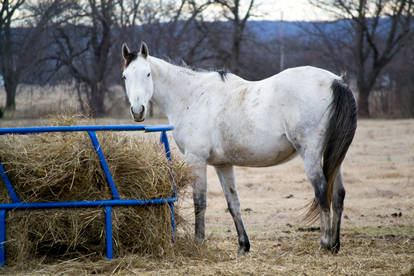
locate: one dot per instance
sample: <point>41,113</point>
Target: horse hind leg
<point>337,207</point>
<point>320,206</point>
<point>226,177</point>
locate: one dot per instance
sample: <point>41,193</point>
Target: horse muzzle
<point>138,114</point>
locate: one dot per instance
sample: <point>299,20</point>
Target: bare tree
<point>128,12</point>
<point>84,47</point>
<point>399,80</point>
<point>170,27</point>
<point>229,50</point>
<point>8,69</point>
<point>19,49</point>
<point>379,30</point>
<point>88,45</point>
<point>181,32</point>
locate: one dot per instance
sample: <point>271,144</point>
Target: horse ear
<point>144,50</point>
<point>125,51</point>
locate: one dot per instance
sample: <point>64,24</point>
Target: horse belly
<point>253,152</point>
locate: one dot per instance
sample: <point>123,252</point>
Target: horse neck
<point>174,87</point>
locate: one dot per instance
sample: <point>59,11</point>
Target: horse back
<point>254,123</point>
<point>257,121</point>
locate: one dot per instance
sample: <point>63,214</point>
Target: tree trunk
<point>365,86</point>
<point>366,83</point>
<point>363,104</point>
<point>97,102</point>
<point>10,86</point>
<point>235,57</point>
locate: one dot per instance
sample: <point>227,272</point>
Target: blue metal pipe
<point>2,237</point>
<point>164,140</point>
<point>32,130</point>
<point>172,221</point>
<point>108,232</point>
<point>79,204</point>
<point>104,165</point>
<point>8,184</point>
<point>158,128</point>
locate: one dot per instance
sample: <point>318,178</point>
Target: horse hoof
<point>244,247</point>
<point>324,246</point>
<point>242,252</point>
<point>335,248</point>
<point>199,240</point>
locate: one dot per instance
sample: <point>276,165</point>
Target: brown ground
<point>378,224</point>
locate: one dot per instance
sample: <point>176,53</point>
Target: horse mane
<point>223,73</point>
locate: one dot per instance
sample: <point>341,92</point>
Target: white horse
<point>223,120</point>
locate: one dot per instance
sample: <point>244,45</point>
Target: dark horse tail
<point>339,135</point>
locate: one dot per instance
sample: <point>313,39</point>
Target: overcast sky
<point>292,10</point>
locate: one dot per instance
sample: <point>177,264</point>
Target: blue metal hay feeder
<point>107,204</point>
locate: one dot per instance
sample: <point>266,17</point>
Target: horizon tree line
<point>80,41</point>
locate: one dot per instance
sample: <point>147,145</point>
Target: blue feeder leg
<point>104,165</point>
<point>8,184</point>
<point>108,224</point>
<point>172,221</point>
<point>2,237</point>
<point>164,140</point>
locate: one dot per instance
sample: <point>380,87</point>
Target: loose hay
<point>64,167</point>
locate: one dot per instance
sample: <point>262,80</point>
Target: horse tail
<point>338,137</point>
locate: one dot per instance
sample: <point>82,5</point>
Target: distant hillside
<point>268,30</point>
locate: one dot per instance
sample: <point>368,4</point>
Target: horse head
<point>138,80</point>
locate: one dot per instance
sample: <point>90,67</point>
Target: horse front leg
<point>199,195</point>
<point>226,177</point>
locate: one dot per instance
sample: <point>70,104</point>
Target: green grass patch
<point>390,231</point>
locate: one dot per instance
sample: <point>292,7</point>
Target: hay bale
<point>64,167</point>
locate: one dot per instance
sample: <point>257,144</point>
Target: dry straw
<point>65,167</point>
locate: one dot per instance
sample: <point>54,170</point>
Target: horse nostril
<point>137,111</point>
<point>138,114</point>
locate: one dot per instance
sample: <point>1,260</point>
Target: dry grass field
<point>377,229</point>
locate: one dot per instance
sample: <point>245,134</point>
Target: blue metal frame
<point>107,204</point>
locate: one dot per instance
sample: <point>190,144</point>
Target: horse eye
<point>123,77</point>
<point>149,74</point>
